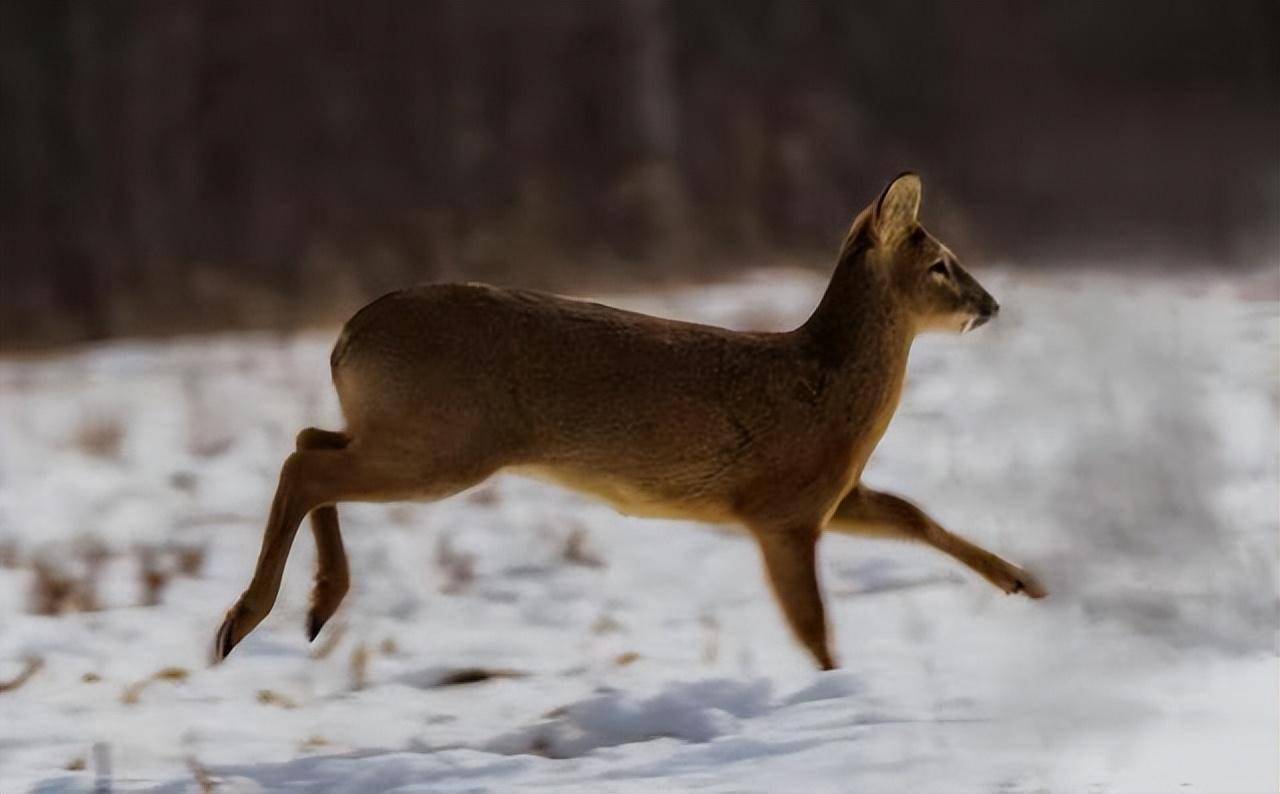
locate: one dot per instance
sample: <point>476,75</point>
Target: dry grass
<point>269,697</point>
<point>133,693</point>
<point>66,580</point>
<point>94,555</point>
<point>175,674</point>
<point>203,779</point>
<point>577,552</point>
<point>190,559</point>
<point>100,437</point>
<point>55,591</point>
<point>605,624</point>
<point>158,566</point>
<point>31,666</point>
<point>313,743</point>
<point>153,575</point>
<point>358,668</point>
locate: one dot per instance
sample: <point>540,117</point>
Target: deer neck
<point>863,337</point>
<point>858,320</point>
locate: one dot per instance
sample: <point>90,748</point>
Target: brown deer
<point>444,385</point>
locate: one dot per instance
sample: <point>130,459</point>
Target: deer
<point>444,385</point>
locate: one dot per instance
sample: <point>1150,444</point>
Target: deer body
<point>666,418</point>
<point>443,385</point>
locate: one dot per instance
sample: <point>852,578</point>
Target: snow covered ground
<point>1117,436</point>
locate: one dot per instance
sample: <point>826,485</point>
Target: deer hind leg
<point>333,577</point>
<point>790,560</point>
<point>312,478</point>
<point>875,514</point>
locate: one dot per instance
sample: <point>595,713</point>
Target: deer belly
<point>630,498</point>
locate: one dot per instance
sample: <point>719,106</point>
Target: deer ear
<point>898,205</point>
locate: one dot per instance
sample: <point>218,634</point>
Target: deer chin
<point>951,323</point>
<point>973,321</point>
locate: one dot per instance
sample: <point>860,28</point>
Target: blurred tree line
<point>196,164</point>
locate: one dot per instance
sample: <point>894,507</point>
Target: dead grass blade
<point>32,666</point>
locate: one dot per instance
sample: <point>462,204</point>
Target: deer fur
<point>444,385</point>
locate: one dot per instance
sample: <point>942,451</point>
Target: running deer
<point>444,385</point>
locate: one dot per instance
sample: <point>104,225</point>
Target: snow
<point>1116,435</point>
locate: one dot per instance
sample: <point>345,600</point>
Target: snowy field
<point>1116,436</point>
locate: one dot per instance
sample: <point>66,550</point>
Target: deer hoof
<point>238,623</point>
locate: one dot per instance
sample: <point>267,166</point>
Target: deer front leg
<point>876,514</point>
<point>790,559</point>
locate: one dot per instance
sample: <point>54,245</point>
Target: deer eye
<point>939,268</point>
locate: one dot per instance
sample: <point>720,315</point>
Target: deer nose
<point>986,310</point>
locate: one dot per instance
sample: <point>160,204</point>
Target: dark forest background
<point>196,164</point>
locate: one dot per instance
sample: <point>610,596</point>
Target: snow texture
<point>1118,436</point>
